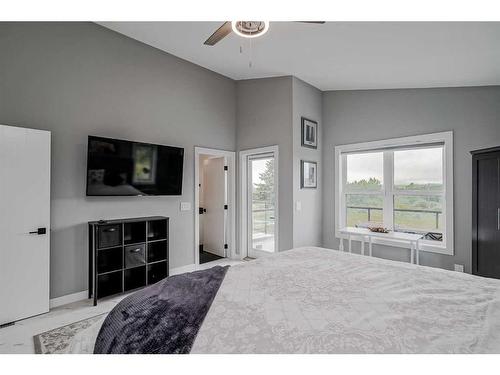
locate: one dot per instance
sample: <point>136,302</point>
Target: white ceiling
<point>339,55</point>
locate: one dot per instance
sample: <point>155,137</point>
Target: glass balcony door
<point>261,209</point>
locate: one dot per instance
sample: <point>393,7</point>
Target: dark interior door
<point>488,225</point>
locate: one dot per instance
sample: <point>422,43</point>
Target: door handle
<point>39,231</point>
<point>135,250</point>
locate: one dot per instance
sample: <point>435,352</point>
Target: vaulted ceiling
<point>339,55</point>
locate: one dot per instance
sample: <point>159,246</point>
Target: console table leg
<point>412,252</point>
<point>418,252</point>
<point>370,245</point>
<point>350,244</point>
<point>341,244</point>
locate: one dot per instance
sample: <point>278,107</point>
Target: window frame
<point>388,191</point>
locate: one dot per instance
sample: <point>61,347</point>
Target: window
<point>363,190</point>
<point>403,184</point>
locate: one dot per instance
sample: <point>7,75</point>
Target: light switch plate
<point>298,206</point>
<point>185,206</point>
<point>459,267</point>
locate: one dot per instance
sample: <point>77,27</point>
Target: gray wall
<point>268,113</point>
<point>356,116</point>
<point>307,223</point>
<point>76,79</point>
<point>264,118</point>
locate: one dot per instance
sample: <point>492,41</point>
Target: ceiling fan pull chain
<point>250,60</point>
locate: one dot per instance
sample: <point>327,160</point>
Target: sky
<point>258,166</point>
<point>419,166</point>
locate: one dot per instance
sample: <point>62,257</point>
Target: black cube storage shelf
<point>127,254</point>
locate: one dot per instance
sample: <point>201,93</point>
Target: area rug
<point>57,340</point>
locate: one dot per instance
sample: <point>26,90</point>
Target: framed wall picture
<point>309,133</point>
<point>308,174</point>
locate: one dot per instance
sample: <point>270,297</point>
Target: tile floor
<point>18,338</point>
<point>206,257</point>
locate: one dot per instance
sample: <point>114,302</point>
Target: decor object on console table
<point>127,254</point>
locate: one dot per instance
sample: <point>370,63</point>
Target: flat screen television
<point>118,167</point>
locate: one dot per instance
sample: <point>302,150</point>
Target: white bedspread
<point>313,300</point>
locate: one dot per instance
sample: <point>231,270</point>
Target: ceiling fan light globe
<point>235,25</point>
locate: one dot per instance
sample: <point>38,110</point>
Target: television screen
<point>117,167</point>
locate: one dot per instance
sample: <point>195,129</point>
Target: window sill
<point>424,245</point>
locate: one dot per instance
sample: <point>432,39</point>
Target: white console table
<point>367,235</point>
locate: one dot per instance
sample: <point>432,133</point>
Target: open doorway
<point>212,213</point>
<point>214,208</point>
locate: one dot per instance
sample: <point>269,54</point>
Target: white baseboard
<point>68,298</point>
<point>80,296</point>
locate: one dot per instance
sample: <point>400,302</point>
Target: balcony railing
<point>263,217</point>
<point>370,209</point>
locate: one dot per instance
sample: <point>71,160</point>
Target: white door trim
<point>231,198</point>
<point>243,157</point>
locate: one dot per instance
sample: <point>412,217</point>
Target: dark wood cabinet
<point>127,254</point>
<point>486,212</point>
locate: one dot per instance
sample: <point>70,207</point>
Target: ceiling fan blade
<point>220,33</point>
<point>318,22</point>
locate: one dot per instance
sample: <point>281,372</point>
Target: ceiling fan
<point>246,29</point>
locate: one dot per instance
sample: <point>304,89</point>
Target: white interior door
<point>261,204</point>
<point>24,207</point>
<point>214,199</point>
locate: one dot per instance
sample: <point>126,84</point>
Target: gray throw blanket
<point>162,318</point>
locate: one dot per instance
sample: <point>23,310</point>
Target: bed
<point>315,300</point>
